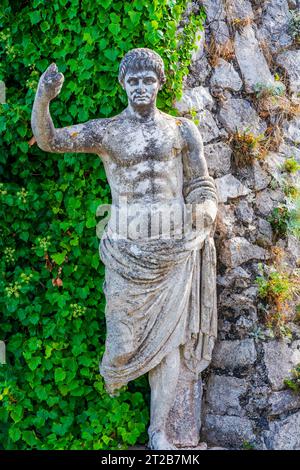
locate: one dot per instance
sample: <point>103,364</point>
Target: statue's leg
<point>184,420</point>
<point>163,381</point>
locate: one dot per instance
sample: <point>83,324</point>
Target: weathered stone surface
<point>279,352</point>
<point>225,76</point>
<point>267,200</point>
<point>233,277</point>
<point>290,61</point>
<point>253,65</point>
<point>200,69</point>
<point>292,130</point>
<point>293,247</point>
<point>227,431</point>
<point>184,421</point>
<point>234,354</point>
<point>284,435</point>
<point>244,212</point>
<point>238,250</point>
<point>238,115</point>
<point>218,158</point>
<point>290,151</point>
<point>257,402</point>
<point>229,187</point>
<point>239,9</point>
<point>225,221</point>
<point>274,162</point>
<point>195,99</point>
<point>275,24</point>
<point>207,126</point>
<point>216,19</point>
<point>261,178</point>
<point>223,393</point>
<point>265,232</point>
<point>238,304</point>
<point>283,401</point>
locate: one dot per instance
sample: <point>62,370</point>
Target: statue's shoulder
<point>100,126</point>
<point>188,131</point>
<point>104,122</point>
<point>186,125</point>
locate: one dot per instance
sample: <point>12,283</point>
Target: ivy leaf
<point>35,16</point>
<point>17,413</point>
<point>14,433</point>
<point>34,362</point>
<point>59,375</point>
<point>114,28</point>
<point>135,17</point>
<point>41,392</point>
<point>115,18</point>
<point>59,258</point>
<point>45,26</point>
<point>30,438</point>
<point>106,3</point>
<point>111,54</point>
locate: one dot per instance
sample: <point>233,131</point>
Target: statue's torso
<point>143,164</point>
<point>143,161</point>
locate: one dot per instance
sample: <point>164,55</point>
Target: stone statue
<point>160,290</point>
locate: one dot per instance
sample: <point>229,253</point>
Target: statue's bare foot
<point>158,441</point>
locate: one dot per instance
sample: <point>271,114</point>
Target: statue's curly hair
<point>142,58</point>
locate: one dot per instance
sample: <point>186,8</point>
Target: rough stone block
<point>238,115</point>
<point>218,157</point>
<point>238,250</point>
<point>284,434</point>
<point>229,187</point>
<point>223,393</point>
<point>207,126</point>
<point>283,401</point>
<point>226,77</point>
<point>234,354</point>
<point>253,65</point>
<point>280,358</point>
<point>195,99</point>
<point>227,431</point>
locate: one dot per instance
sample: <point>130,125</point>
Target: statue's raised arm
<point>86,137</point>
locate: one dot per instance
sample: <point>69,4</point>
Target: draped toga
<point>161,295</point>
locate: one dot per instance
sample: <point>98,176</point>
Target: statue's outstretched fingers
<point>52,68</point>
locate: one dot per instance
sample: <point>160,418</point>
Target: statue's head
<point>142,75</point>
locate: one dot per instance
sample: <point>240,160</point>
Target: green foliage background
<point>51,393</point>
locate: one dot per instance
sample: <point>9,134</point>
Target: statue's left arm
<point>198,186</point>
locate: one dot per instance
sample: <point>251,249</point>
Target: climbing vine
<point>52,302</point>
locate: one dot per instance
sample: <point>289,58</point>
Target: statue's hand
<point>50,82</point>
<point>205,214</point>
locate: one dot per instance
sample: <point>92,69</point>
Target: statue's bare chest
<point>129,143</point>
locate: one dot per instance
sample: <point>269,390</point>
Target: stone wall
<point>247,47</point>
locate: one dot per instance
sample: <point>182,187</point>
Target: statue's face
<point>141,87</point>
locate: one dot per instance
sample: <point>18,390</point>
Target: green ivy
<point>293,383</point>
<point>51,296</point>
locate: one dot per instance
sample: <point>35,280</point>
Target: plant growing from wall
<point>278,287</point>
<point>293,383</point>
<point>246,147</point>
<point>291,165</point>
<point>272,100</point>
<point>217,51</point>
<point>263,90</point>
<point>285,219</point>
